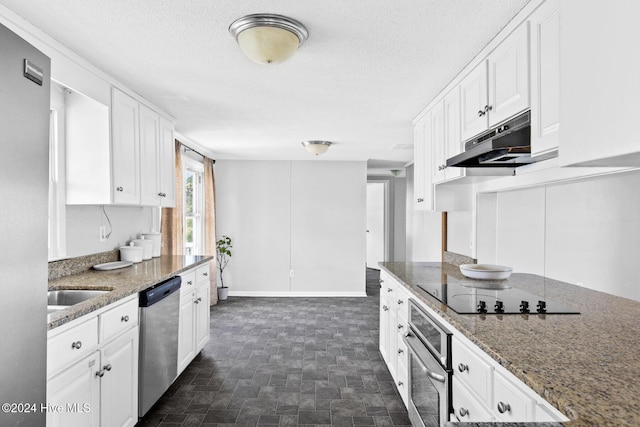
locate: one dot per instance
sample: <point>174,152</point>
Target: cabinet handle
<point>503,407</point>
<point>119,188</point>
<point>463,412</point>
<point>189,283</point>
<point>77,345</point>
<point>400,302</point>
<point>162,194</point>
<point>385,308</point>
<point>400,351</point>
<point>400,383</point>
<point>487,108</point>
<point>420,200</point>
<point>462,367</point>
<point>124,318</point>
<point>400,326</point>
<point>205,274</point>
<point>198,300</point>
<point>481,113</point>
<point>107,367</point>
<point>100,374</point>
<point>389,290</point>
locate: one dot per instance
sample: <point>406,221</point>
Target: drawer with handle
<point>118,319</point>
<point>188,281</point>
<point>475,372</point>
<point>71,345</point>
<point>202,274</point>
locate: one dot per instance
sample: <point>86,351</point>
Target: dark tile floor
<point>287,362</point>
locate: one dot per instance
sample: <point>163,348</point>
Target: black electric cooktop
<point>491,297</point>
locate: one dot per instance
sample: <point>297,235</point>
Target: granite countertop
<point>122,283</point>
<point>586,365</point>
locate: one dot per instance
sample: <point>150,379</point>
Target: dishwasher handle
<point>160,291</point>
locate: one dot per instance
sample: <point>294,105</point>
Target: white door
<point>375,224</point>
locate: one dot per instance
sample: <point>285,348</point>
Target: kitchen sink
<point>66,297</point>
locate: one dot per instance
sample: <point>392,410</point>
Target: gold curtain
<point>171,220</point>
<point>210,224</point>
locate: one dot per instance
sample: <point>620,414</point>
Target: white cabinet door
<point>385,312</point>
<point>76,391</point>
<point>186,334</point>
<point>202,316</point>
<point>149,170</point>
<point>419,166</point>
<point>545,77</point>
<point>466,407</point>
<point>119,384</point>
<point>473,102</point>
<point>167,164</point>
<point>509,76</point>
<point>437,144</point>
<point>599,80</point>
<point>452,137</point>
<point>125,149</point>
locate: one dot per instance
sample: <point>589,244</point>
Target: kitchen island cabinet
<point>584,365</point>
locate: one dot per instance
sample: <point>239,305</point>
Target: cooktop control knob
<point>524,307</point>
<point>542,307</point>
<point>482,307</point>
<point>499,307</point>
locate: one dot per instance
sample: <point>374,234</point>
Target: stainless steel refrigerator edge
<point>24,168</point>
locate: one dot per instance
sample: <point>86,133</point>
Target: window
<point>193,207</point>
<point>57,217</point>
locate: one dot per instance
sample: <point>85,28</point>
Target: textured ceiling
<point>368,67</point>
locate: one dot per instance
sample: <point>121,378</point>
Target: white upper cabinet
<point>438,142</point>
<point>600,92</point>
<point>149,145</point>
<point>157,160</point>
<point>125,149</point>
<point>167,164</point>
<point>498,88</point>
<point>422,188</point>
<point>123,155</point>
<point>509,76</point>
<point>545,78</point>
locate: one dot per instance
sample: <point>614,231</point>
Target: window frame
<point>197,168</point>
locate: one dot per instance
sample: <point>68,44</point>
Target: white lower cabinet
<point>77,385</point>
<point>393,325</point>
<point>483,390</point>
<point>194,314</point>
<point>92,369</point>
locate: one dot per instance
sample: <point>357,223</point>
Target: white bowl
<point>486,271</point>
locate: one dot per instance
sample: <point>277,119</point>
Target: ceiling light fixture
<point>396,172</point>
<point>267,38</point>
<point>316,147</point>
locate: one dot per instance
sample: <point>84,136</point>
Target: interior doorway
<point>376,214</point>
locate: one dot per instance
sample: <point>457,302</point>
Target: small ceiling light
<point>316,147</point>
<point>267,38</point>
<point>396,172</point>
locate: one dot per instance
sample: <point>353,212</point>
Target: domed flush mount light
<point>267,38</point>
<point>316,147</point>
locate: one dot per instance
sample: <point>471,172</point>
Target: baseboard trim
<point>297,294</point>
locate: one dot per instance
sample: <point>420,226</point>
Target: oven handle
<point>426,359</point>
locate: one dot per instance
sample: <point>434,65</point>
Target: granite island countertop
<point>122,283</point>
<point>586,365</point>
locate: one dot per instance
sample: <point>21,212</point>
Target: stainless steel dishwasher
<point>158,368</point>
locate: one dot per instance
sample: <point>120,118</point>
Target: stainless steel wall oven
<point>429,346</point>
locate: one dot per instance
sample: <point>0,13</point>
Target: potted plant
<point>223,254</point>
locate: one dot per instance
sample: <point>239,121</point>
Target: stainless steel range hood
<point>506,145</point>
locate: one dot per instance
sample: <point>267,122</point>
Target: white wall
<point>584,232</point>
<point>83,224</point>
<point>305,216</point>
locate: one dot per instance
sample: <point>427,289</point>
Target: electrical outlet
<point>291,273</point>
<point>103,233</point>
